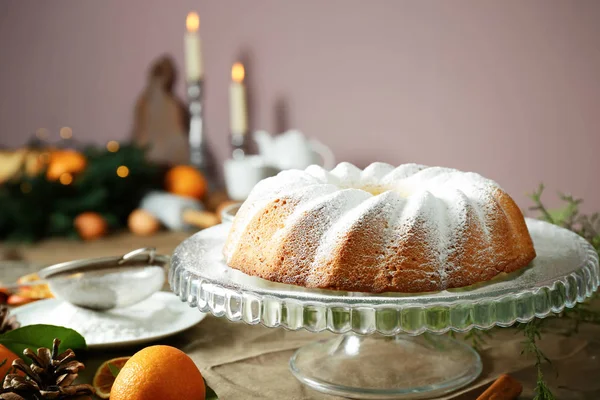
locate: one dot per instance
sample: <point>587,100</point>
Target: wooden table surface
<point>52,251</point>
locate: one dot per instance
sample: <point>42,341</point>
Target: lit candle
<point>193,48</point>
<point>237,101</point>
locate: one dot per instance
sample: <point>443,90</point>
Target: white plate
<point>157,317</point>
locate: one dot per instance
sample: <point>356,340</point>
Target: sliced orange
<point>104,378</point>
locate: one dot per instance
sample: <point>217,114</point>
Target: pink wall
<point>510,89</point>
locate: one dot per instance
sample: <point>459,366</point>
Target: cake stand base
<point>380,367</point>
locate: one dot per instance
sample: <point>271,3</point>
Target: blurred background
<point>508,89</point>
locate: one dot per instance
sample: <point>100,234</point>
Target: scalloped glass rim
<point>564,272</point>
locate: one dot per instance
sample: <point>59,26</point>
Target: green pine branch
<point>532,332</point>
<point>536,197</point>
<point>569,216</point>
<point>478,337</point>
<point>588,227</point>
<point>48,208</point>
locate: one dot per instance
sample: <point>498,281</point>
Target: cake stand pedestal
<point>380,367</point>
<point>390,345</point>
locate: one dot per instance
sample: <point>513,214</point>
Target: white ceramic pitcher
<point>292,150</point>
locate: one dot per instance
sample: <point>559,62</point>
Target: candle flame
<point>237,72</point>
<point>192,22</point>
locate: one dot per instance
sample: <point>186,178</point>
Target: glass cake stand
<point>389,345</point>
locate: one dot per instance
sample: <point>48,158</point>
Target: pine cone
<point>7,322</point>
<point>50,376</point>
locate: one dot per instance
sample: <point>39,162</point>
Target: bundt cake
<point>382,229</point>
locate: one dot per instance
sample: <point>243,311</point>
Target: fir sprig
<point>588,227</point>
<point>48,208</point>
<point>569,216</point>
<point>532,332</point>
<point>537,199</point>
<point>478,337</point>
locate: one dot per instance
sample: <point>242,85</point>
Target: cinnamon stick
<point>504,388</point>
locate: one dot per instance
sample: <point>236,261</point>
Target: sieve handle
<point>151,251</point>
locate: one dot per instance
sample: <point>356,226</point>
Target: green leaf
<point>210,393</point>
<point>114,370</point>
<point>36,336</point>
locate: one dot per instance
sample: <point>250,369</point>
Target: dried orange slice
<point>28,278</point>
<point>33,292</point>
<point>104,377</point>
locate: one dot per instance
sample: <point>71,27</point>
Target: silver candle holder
<point>200,156</point>
<point>239,145</point>
<point>195,91</point>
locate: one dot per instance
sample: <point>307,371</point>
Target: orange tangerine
<point>159,372</point>
<point>185,180</point>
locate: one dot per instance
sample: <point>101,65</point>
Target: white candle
<point>193,48</point>
<point>237,101</point>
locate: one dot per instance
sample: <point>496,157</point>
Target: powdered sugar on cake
<point>398,208</point>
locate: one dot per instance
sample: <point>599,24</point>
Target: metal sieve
<point>110,282</point>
